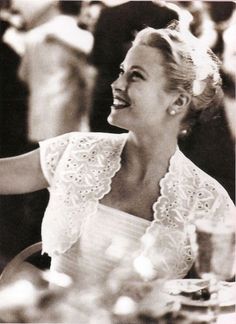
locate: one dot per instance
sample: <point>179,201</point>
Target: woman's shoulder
<point>203,193</point>
<point>85,148</point>
<point>198,177</point>
<point>78,142</point>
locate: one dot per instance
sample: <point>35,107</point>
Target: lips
<point>120,103</point>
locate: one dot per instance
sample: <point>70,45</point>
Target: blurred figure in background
<point>210,142</point>
<point>13,108</point>
<point>90,13</point>
<point>113,35</point>
<point>13,93</point>
<point>224,20</point>
<point>228,72</point>
<point>54,68</point>
<point>87,20</point>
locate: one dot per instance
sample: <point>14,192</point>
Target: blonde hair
<point>188,65</point>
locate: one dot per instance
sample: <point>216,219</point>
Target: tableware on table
<point>216,250</point>
<point>215,259</point>
<point>178,286</point>
<point>189,292</point>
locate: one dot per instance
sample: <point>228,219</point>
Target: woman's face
<point>139,96</point>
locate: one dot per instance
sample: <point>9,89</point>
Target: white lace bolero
<point>79,168</point>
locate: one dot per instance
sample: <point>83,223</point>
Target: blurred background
<point>57,61</point>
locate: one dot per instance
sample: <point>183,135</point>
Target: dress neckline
<point>162,182</point>
<point>123,213</point>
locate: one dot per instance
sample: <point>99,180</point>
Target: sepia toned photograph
<point>117,162</point>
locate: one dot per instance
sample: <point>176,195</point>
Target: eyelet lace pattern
<point>79,168</point>
<point>187,194</point>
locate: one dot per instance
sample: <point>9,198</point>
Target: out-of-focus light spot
<point>125,306</point>
<point>20,293</point>
<point>143,266</point>
<point>57,278</point>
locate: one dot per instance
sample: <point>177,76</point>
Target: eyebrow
<point>135,67</point>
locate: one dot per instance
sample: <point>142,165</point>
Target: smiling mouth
<point>119,103</point>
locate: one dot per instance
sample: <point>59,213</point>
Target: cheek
<point>150,100</point>
<point>141,95</point>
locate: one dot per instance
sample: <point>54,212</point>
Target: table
<point>28,298</point>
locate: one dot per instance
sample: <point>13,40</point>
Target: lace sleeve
<point>51,151</point>
<point>212,202</point>
<point>225,209</point>
<point>79,167</point>
<point>187,195</point>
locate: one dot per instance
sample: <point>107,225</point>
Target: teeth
<point>118,102</point>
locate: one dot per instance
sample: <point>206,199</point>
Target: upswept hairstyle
<point>189,66</point>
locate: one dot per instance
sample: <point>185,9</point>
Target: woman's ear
<point>182,102</point>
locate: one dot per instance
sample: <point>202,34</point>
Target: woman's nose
<point>119,84</point>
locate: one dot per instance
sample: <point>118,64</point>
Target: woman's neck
<point>147,155</point>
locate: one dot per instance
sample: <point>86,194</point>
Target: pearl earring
<point>172,112</point>
<point>184,132</point>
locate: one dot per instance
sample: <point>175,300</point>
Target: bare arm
<point>21,174</point>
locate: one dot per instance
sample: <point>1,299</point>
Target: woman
<point>130,196</point>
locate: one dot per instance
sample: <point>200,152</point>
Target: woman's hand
<point>21,174</point>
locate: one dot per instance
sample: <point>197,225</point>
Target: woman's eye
<point>136,75</point>
<point>121,71</point>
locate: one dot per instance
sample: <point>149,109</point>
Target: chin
<point>115,122</point>
<point>112,121</point>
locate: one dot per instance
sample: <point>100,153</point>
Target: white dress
<point>101,248</point>
<point>79,168</point>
